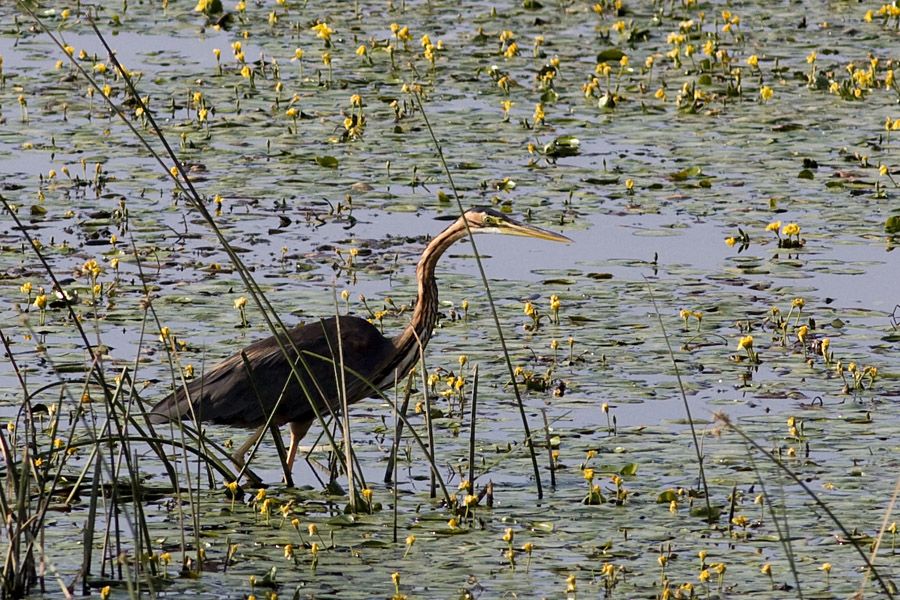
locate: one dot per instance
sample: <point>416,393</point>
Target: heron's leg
<point>238,455</point>
<point>298,430</point>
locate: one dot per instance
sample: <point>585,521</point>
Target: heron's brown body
<point>244,389</point>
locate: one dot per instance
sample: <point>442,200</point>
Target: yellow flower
<point>791,229</point>
<point>508,535</point>
<point>811,57</point>
<point>826,567</point>
<point>362,50</point>
<point>323,31</point>
<point>774,226</point>
<point>802,333</point>
<point>629,184</point>
<point>730,241</point>
<point>538,113</point>
<point>246,71</point>
<point>753,61</point>
<point>745,342</point>
<point>798,303</point>
<point>41,301</point>
<point>704,576</point>
<point>766,93</point>
<point>660,94</point>
<point>588,474</point>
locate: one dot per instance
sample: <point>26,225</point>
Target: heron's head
<point>483,219</point>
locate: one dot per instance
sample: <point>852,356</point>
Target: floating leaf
<point>610,55</point>
<point>892,224</point>
<point>329,162</point>
<point>667,497</point>
<point>564,145</point>
<point>685,174</point>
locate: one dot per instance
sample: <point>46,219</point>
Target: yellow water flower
<point>766,93</point>
<point>791,229</point>
<point>323,31</point>
<point>539,114</point>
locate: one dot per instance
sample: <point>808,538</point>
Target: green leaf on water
<point>667,497</point>
<point>710,515</point>
<point>542,526</point>
<point>564,145</point>
<point>686,174</point>
<point>629,470</point>
<point>610,55</point>
<point>892,224</point>
<point>342,520</point>
<point>329,162</point>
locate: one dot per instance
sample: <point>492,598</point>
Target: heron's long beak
<point>516,228</point>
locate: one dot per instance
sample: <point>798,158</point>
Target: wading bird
<point>244,389</point>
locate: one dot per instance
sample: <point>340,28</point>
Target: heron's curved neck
<point>425,313</point>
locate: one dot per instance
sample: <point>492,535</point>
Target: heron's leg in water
<point>238,455</point>
<point>298,430</point>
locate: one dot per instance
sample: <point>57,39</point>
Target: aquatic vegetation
<point>648,131</point>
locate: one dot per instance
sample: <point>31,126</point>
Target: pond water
<point>721,121</point>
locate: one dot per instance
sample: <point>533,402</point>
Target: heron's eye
<point>490,221</point>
